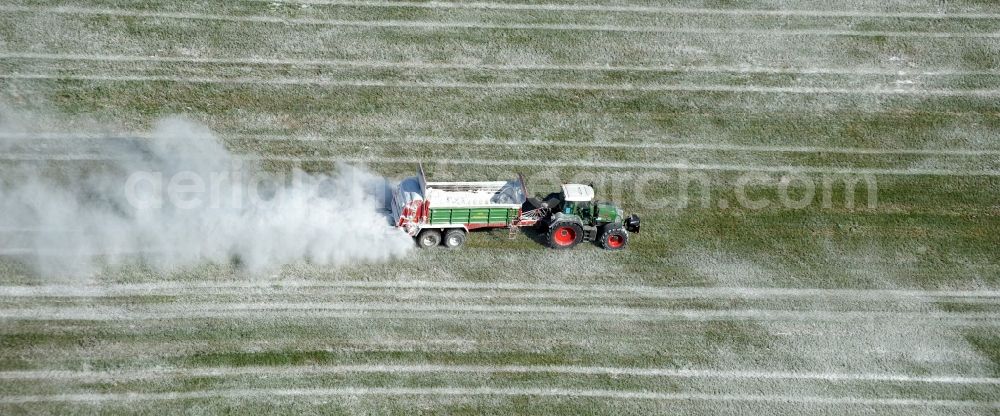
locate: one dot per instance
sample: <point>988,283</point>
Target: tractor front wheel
<point>429,238</point>
<point>565,235</point>
<point>614,239</point>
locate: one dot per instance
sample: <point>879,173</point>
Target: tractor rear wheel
<point>565,235</point>
<point>429,238</point>
<point>454,238</point>
<point>614,238</point>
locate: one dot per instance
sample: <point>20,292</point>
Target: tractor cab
<point>576,216</point>
<point>577,200</point>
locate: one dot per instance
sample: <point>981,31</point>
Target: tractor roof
<point>577,193</point>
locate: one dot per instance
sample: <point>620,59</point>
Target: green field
<point>715,308</point>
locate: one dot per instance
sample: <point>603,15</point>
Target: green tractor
<point>574,216</point>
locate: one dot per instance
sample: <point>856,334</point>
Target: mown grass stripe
<point>652,143</point>
<point>259,394</point>
<point>159,288</point>
<point>487,26</point>
<point>491,67</point>
<point>392,310</point>
<point>20,157</point>
<point>79,252</point>
<point>644,9</point>
<point>294,370</point>
<point>506,85</point>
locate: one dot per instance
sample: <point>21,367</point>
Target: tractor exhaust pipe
<point>632,224</point>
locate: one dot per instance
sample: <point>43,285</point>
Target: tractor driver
<point>581,208</point>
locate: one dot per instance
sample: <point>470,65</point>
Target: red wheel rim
<point>615,241</point>
<point>564,236</point>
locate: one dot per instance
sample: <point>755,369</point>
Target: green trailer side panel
<point>448,216</point>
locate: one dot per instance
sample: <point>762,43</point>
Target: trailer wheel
<point>565,235</point>
<point>614,239</point>
<point>429,238</point>
<point>454,238</point>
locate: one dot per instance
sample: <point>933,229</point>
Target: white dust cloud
<point>179,198</point>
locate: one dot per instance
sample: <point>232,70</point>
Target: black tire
<point>454,238</point>
<point>614,238</point>
<point>429,238</point>
<point>565,234</point>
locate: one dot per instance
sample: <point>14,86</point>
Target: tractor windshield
<point>569,207</point>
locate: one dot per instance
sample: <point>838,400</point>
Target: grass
<point>927,232</point>
<point>818,120</point>
<point>140,36</point>
<point>578,17</point>
<point>415,72</point>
